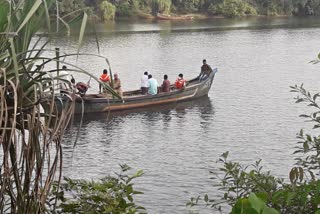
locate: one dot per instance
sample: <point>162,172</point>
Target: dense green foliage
<point>227,8</point>
<point>300,195</point>
<point>108,10</point>
<point>232,8</point>
<point>112,194</point>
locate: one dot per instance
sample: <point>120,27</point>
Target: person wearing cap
<point>205,70</point>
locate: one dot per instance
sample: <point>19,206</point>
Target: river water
<point>249,110</point>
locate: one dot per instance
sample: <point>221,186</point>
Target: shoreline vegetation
<point>110,10</point>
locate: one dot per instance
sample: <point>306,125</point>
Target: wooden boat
<point>95,103</point>
<point>173,17</point>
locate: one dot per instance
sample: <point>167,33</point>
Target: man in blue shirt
<point>153,85</point>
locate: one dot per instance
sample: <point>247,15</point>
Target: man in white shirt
<point>65,77</point>
<point>144,83</point>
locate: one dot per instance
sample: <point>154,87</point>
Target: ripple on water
<point>249,111</point>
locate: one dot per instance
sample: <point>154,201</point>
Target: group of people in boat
<point>149,85</point>
<point>115,84</point>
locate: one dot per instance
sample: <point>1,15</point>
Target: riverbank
<point>146,16</point>
<point>191,16</point>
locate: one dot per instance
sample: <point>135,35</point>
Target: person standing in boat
<point>180,82</point>
<point>144,83</point>
<point>153,85</point>
<point>165,84</point>
<point>117,84</point>
<point>105,78</point>
<point>205,70</point>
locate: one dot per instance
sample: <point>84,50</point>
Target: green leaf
<point>263,196</point>
<point>4,10</point>
<point>34,8</point>
<point>206,198</point>
<point>268,210</point>
<point>290,196</point>
<point>241,205</point>
<point>249,211</point>
<point>256,203</point>
<point>225,155</point>
<point>82,29</point>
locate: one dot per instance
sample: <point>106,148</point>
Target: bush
<point>108,10</point>
<point>161,6</point>
<point>232,8</point>
<point>189,6</point>
<point>124,10</point>
<point>109,195</point>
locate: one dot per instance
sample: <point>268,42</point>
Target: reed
<point>30,140</point>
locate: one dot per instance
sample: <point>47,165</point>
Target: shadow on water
<point>203,104</point>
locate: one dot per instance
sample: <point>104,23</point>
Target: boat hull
<point>163,17</point>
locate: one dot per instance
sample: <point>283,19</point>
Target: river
<point>249,110</point>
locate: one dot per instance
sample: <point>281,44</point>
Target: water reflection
<point>112,124</point>
<point>166,26</point>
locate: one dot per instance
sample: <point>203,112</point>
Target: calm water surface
<point>249,111</point>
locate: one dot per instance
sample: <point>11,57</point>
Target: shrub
<point>108,10</point>
<point>124,10</point>
<point>161,6</point>
<point>112,194</point>
<point>232,8</point>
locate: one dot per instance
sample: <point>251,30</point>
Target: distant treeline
<point>112,9</point>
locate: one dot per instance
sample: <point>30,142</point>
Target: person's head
<point>105,71</point>
<point>181,75</point>
<point>204,61</point>
<point>146,73</point>
<point>116,76</point>
<point>64,67</point>
<point>149,76</point>
<point>165,77</point>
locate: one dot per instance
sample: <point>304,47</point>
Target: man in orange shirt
<point>105,78</point>
<point>180,82</point>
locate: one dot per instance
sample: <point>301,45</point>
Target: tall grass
<point>31,157</point>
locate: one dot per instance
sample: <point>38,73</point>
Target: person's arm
<point>201,73</point>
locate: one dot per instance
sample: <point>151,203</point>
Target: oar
<point>88,83</point>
